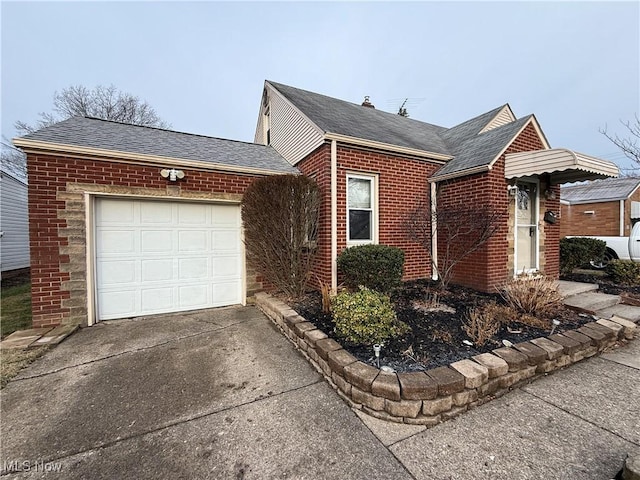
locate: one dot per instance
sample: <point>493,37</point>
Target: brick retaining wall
<point>428,398</point>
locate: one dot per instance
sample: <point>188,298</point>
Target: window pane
<point>359,193</point>
<point>359,225</point>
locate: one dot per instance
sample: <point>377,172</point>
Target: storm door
<point>526,241</point>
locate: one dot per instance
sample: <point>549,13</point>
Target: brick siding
<point>604,221</point>
<point>402,184</point>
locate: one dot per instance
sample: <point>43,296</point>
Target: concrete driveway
<point>221,394</point>
<point>214,394</point>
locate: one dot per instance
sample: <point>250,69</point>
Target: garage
<point>166,256</point>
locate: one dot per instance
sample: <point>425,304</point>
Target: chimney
<point>367,103</point>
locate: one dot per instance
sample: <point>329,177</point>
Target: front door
<point>526,251</point>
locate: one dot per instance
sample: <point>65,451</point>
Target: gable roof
<point>106,138</point>
<point>470,146</point>
<point>607,190</point>
<point>332,115</point>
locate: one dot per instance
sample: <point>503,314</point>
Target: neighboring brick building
<point>606,207</point>
<point>128,220</point>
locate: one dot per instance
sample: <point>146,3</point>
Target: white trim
<point>373,178</point>
<point>118,156</point>
<point>90,258</point>
<point>622,217</point>
<point>435,157</point>
<point>334,215</point>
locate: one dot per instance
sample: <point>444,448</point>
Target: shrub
<point>532,295</point>
<point>481,323</point>
<point>365,317</point>
<point>578,251</point>
<point>280,214</point>
<point>378,267</point>
<point>624,271</point>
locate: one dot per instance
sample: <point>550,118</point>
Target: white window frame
<point>374,208</point>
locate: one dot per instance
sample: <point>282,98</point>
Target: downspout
<point>434,232</point>
<point>334,215</point>
<point>622,218</point>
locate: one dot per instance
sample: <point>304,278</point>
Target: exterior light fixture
<point>172,174</point>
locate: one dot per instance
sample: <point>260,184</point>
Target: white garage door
<point>158,257</point>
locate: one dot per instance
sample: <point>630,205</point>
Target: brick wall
<point>493,264</point>
<point>317,165</point>
<point>57,220</point>
<point>605,221</point>
<point>402,184</point>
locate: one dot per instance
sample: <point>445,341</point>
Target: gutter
<point>437,157</point>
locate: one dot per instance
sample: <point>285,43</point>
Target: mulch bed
<point>436,337</point>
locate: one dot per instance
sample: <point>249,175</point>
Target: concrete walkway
<point>221,394</point>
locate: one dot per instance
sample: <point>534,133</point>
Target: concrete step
<point>591,302</point>
<point>568,289</point>
<point>625,311</point>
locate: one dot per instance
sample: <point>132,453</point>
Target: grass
<point>15,360</point>
<point>15,309</point>
<point>15,312</point>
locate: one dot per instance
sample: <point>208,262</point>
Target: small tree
<point>280,216</point>
<point>461,230</point>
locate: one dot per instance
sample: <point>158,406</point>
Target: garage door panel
<point>119,272</point>
<point>160,256</point>
<point>225,294</point>
<point>226,216</point>
<point>193,268</point>
<point>156,299</point>
<point>118,304</point>
<point>117,241</point>
<point>194,296</point>
<point>225,267</point>
<point>193,241</point>
<point>155,213</point>
<point>225,241</point>
<point>116,213</point>
<point>156,241</point>
<point>156,270</point>
<point>191,214</point>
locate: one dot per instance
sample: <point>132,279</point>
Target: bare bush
<point>280,216</point>
<point>461,230</point>
<point>532,295</point>
<point>481,324</point>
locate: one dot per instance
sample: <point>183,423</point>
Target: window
<point>361,206</point>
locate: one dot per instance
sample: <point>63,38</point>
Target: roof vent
<point>367,103</point>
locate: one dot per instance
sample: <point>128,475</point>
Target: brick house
<point>128,220</point>
<point>606,207</point>
<point>374,167</point>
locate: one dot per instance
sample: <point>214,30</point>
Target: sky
<point>202,65</point>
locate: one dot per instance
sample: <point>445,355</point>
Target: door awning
<point>562,164</point>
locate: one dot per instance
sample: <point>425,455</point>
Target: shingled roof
<point>607,190</point>
<point>102,135</point>
<point>464,142</point>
